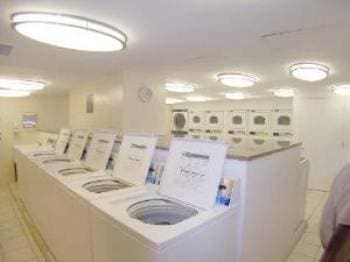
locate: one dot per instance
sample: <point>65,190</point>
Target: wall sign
<point>29,120</point>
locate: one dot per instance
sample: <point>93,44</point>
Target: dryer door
<point>214,119</point>
<point>282,121</point>
<point>196,120</point>
<point>259,121</point>
<point>179,121</point>
<point>237,120</point>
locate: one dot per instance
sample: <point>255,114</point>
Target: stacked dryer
<point>214,125</point>
<point>259,127</point>
<point>282,127</point>
<point>196,124</point>
<point>179,122</point>
<point>236,123</point>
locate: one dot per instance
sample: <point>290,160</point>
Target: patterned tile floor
<point>309,248</point>
<point>17,245</point>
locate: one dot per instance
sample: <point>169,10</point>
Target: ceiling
<point>191,41</point>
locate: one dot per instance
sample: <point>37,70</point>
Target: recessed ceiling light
<point>309,71</point>
<point>13,93</point>
<point>197,98</point>
<point>284,92</point>
<point>235,96</point>
<point>171,100</point>
<point>341,89</point>
<point>236,80</point>
<point>179,87</point>
<point>24,85</point>
<point>69,31</point>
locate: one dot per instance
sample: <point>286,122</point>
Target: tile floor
<point>309,248</point>
<point>17,245</point>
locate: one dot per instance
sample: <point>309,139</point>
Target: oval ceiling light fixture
<point>284,92</point>
<point>171,100</point>
<point>343,89</point>
<point>236,80</point>
<point>197,98</point>
<point>179,87</point>
<point>235,96</point>
<point>68,31</point>
<point>21,85</point>
<point>310,72</point>
<point>13,93</point>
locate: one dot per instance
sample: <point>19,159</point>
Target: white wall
<point>322,124</point>
<point>108,96</point>
<point>118,107</point>
<point>52,115</point>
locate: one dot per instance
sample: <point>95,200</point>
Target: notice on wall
<point>193,171</point>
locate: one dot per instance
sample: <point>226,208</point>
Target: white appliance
<point>237,120</point>
<point>236,138</point>
<point>258,141</point>
<point>129,173</point>
<point>177,223</point>
<point>282,120</point>
<point>196,119</point>
<point>179,122</point>
<point>74,152</point>
<point>97,157</point>
<point>214,135</point>
<point>214,119</point>
<point>259,121</point>
<point>282,139</point>
<point>60,146</point>
<point>196,134</point>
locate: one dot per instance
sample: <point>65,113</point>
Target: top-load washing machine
<point>282,120</point>
<point>97,157</point>
<point>60,146</point>
<point>179,222</point>
<point>259,121</point>
<point>214,119</point>
<point>237,120</point>
<point>179,122</point>
<point>74,152</point>
<point>129,173</point>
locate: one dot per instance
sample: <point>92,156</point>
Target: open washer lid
<point>134,158</point>
<point>77,144</point>
<point>193,171</point>
<point>62,141</point>
<point>99,151</point>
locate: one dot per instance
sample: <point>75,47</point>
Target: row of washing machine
<point>86,212</point>
<point>263,121</point>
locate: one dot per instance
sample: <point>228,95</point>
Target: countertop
<point>249,150</point>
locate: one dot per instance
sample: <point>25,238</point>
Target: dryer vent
<point>5,49</point>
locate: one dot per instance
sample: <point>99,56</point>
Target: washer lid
<point>134,158</point>
<point>77,144</point>
<point>99,150</point>
<point>193,171</point>
<point>62,141</point>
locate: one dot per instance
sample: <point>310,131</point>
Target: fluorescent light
<point>235,96</point>
<point>179,87</point>
<point>171,100</point>
<point>13,93</point>
<point>284,92</point>
<point>236,80</point>
<point>68,31</point>
<point>197,98</point>
<point>341,89</point>
<point>24,85</point>
<point>309,71</point>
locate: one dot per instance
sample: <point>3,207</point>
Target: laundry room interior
<point>159,131</point>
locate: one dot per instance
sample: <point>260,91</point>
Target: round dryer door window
<point>213,120</point>
<point>237,120</point>
<point>284,121</point>
<point>259,120</point>
<point>196,119</point>
<point>179,121</point>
